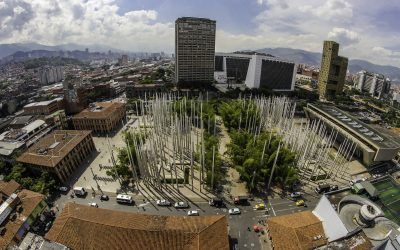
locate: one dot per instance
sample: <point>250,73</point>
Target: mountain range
<point>314,58</point>
<point>9,49</point>
<point>296,55</point>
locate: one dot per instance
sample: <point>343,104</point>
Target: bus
<point>122,198</point>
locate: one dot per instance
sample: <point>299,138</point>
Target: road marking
<point>239,234</point>
<point>263,216</point>
<point>280,203</point>
<point>280,210</point>
<point>273,210</point>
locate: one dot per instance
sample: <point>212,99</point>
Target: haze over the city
<point>363,32</point>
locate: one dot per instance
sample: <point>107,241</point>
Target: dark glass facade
<point>237,68</point>
<point>276,75</point>
<point>219,63</point>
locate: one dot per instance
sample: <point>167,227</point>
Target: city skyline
<point>363,33</point>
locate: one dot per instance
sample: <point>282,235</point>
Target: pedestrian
<point>84,178</point>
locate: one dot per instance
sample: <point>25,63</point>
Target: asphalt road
<point>241,237</point>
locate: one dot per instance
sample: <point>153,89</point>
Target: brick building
<point>101,117</point>
<point>44,107</point>
<point>60,152</point>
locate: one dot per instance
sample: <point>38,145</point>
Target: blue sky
<point>366,29</point>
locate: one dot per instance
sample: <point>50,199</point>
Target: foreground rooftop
<point>84,227</point>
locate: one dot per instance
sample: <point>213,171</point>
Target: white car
<point>295,194</point>
<point>93,204</point>
<point>63,189</point>
<point>193,213</point>
<point>234,210</point>
<point>163,203</point>
<point>181,204</point>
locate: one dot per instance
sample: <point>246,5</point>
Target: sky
<point>365,29</point>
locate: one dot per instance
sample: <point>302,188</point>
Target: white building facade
<point>255,71</point>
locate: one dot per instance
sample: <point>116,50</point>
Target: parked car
<point>164,203</point>
<point>93,204</point>
<point>181,204</point>
<point>63,189</point>
<point>104,197</point>
<point>296,195</point>
<point>234,211</point>
<point>300,203</point>
<point>193,213</point>
<point>48,226</point>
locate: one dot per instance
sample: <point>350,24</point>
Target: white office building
<point>255,71</point>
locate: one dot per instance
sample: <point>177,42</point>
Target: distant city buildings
<point>194,50</point>
<point>332,72</point>
<point>50,75</point>
<point>255,70</point>
<point>100,117</point>
<point>123,60</point>
<point>60,152</point>
<point>376,85</point>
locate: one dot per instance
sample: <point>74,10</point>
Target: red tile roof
<point>84,227</point>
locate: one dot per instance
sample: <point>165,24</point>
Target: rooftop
<point>296,231</point>
<point>51,149</point>
<point>29,200</point>
<point>372,136</point>
<point>42,103</point>
<point>85,227</point>
<point>100,110</point>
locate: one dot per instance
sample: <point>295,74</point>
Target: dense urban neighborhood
<point>197,149</point>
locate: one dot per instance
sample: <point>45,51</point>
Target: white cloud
<point>343,36</point>
<point>83,22</point>
<point>330,10</point>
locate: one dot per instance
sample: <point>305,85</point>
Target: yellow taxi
<point>300,203</point>
<point>259,206</point>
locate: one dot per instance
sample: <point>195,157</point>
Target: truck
<point>241,200</point>
<point>216,202</point>
<point>322,188</point>
<point>79,191</point>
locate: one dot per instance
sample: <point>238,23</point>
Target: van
<point>123,198</point>
<point>79,191</point>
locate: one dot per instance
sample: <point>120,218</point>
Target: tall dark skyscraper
<point>194,50</point>
<point>333,70</point>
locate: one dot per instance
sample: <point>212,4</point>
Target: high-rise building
<point>50,75</point>
<point>333,71</point>
<point>194,50</point>
<point>375,84</point>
